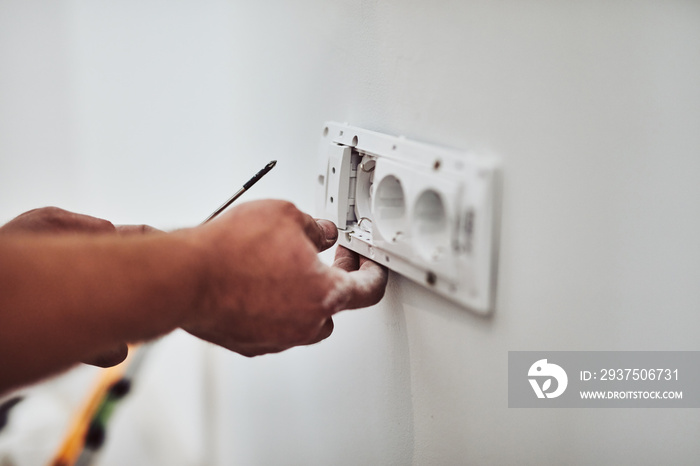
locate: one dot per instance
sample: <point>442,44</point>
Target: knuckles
<point>55,218</point>
<point>290,211</point>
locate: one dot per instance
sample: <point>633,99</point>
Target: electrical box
<point>426,212</point>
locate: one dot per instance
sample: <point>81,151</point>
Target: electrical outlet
<point>425,212</point>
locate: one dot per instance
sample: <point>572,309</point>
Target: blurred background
<point>155,112</point>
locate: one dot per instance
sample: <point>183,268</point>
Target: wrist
<point>198,263</point>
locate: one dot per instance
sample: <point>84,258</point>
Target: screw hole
<point>341,133</point>
<point>393,147</point>
<point>436,164</point>
<point>387,258</point>
<point>354,141</point>
<point>333,170</point>
<point>331,199</point>
<point>430,278</point>
<point>325,131</point>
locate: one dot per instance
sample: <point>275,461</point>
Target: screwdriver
<point>245,188</point>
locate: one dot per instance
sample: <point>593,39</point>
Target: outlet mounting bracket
<point>426,212</point>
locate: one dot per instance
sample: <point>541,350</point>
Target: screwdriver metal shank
<point>245,188</point>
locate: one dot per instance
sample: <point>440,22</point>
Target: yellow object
<point>72,445</point>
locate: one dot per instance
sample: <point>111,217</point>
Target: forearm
<point>62,299</point>
<point>249,281</point>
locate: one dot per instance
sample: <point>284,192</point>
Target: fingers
<point>109,358</point>
<point>325,331</point>
<point>251,349</point>
<point>127,230</point>
<point>256,350</point>
<point>55,220</point>
<point>330,232</point>
<point>346,259</point>
<point>82,223</point>
<point>364,282</point>
<point>323,233</point>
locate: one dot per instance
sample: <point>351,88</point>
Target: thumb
<point>109,358</point>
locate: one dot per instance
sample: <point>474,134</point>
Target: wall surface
<point>156,111</point>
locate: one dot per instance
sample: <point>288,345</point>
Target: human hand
<point>266,290</point>
<point>58,221</point>
<point>55,220</point>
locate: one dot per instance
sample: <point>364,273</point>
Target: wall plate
<point>426,212</point>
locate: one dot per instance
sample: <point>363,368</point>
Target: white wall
<point>155,111</point>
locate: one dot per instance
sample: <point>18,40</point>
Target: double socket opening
<point>406,212</point>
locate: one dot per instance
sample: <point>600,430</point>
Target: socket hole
<point>354,141</point>
<point>331,199</point>
<point>431,278</point>
<point>432,238</point>
<point>325,131</point>
<point>390,207</point>
<point>333,170</point>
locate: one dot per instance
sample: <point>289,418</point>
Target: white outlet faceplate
<point>426,212</point>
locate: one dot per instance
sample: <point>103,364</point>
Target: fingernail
<point>329,230</point>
